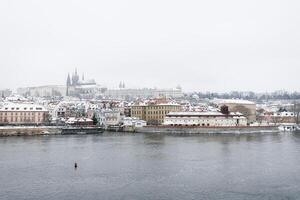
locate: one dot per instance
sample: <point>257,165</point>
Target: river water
<point>150,166</point>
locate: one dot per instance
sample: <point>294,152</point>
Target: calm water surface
<point>118,166</point>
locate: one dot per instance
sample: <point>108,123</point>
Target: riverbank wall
<point>29,130</point>
<point>56,130</point>
<point>207,130</point>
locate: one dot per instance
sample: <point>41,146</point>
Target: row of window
<point>204,120</point>
<point>158,107</point>
<point>19,113</point>
<point>189,125</point>
<point>17,108</point>
<point>16,119</point>
<point>151,112</point>
<point>206,116</point>
<point>273,114</point>
<point>154,117</point>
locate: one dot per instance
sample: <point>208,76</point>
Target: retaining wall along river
<point>32,130</point>
<point>57,130</point>
<point>208,130</point>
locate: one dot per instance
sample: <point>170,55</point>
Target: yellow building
<point>154,113</point>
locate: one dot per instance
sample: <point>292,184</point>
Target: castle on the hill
<point>78,87</point>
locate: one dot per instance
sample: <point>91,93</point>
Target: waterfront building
<point>82,121</point>
<point>205,119</point>
<point>12,114</point>
<point>109,117</point>
<point>154,112</point>
<point>277,117</point>
<point>112,117</point>
<point>57,111</point>
<point>247,108</point>
<point>133,122</point>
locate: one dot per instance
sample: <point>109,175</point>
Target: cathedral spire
<point>75,78</point>
<point>68,84</point>
<point>68,80</point>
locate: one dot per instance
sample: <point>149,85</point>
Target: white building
<point>133,122</point>
<point>109,117</point>
<point>43,91</point>
<point>124,93</point>
<point>205,119</point>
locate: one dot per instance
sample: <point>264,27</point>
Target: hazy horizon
<point>214,45</point>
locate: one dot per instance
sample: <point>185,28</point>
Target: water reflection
<point>150,166</point>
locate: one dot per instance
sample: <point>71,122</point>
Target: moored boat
<point>81,130</point>
<point>288,127</point>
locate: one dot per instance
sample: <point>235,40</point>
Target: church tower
<point>68,84</point>
<point>75,78</point>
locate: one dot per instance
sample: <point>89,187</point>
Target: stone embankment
<point>208,130</point>
<point>29,130</point>
<point>56,130</point>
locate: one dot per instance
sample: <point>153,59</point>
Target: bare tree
<point>242,109</point>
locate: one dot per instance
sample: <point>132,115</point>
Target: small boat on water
<point>298,128</point>
<point>76,130</point>
<point>288,127</point>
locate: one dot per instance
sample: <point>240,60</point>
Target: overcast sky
<point>202,45</point>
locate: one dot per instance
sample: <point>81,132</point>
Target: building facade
<point>43,91</point>
<point>133,122</point>
<point>277,117</point>
<point>23,114</point>
<point>153,114</point>
<point>127,93</point>
<point>206,119</point>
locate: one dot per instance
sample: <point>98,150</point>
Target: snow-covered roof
<point>16,97</point>
<point>156,104</point>
<point>202,114</point>
<point>22,107</point>
<point>72,120</point>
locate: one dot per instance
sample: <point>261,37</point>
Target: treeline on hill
<point>277,95</point>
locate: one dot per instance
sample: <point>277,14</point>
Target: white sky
<point>202,45</point>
